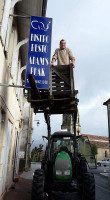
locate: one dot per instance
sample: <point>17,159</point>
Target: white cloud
<point>93,115</point>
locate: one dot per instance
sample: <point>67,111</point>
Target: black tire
<point>88,186</point>
<point>82,166</point>
<point>48,179</point>
<point>44,160</point>
<point>81,170</point>
<point>38,185</point>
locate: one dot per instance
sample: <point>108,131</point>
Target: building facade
<point>102,145</point>
<point>16,114</point>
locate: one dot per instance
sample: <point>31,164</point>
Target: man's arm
<point>72,58</point>
<point>54,58</point>
<point>73,62</point>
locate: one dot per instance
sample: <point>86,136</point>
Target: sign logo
<point>40,25</point>
<point>38,62</point>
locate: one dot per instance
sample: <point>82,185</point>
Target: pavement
<point>21,190</point>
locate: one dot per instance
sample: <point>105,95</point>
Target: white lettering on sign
<point>39,48</point>
<point>38,61</point>
<point>37,71</point>
<point>40,38</point>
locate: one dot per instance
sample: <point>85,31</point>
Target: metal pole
<point>74,115</point>
<point>49,143</point>
<point>21,16</point>
<point>47,119</point>
<point>107,103</point>
<point>16,86</point>
<point>108,112</point>
<point>44,7</point>
<point>49,134</point>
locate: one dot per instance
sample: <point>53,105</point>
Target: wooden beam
<point>51,100</point>
<point>35,90</point>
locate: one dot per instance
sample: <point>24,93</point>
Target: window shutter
<point>5,20</point>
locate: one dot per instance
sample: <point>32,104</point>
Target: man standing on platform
<point>63,55</point>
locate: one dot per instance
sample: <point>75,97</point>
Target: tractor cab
<point>62,140</point>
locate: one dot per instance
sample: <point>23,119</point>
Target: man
<point>63,55</point>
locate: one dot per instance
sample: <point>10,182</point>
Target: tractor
<point>65,171</point>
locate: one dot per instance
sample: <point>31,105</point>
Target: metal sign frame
<point>38,62</point>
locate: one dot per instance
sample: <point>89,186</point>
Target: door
<point>16,157</point>
<point>5,156</point>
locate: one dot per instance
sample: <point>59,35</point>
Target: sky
<point>85,25</point>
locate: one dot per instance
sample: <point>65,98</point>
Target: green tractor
<point>63,168</point>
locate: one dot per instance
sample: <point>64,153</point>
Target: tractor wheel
<point>83,165</point>
<point>81,170</point>
<point>44,159</point>
<point>48,180</point>
<point>88,186</point>
<point>38,185</point>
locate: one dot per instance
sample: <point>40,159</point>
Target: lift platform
<point>60,98</point>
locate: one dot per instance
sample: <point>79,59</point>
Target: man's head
<point>62,44</point>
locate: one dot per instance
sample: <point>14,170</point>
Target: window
<point>65,142</point>
<point>106,154</point>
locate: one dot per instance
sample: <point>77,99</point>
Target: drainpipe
<point>27,141</point>
<point>44,8</point>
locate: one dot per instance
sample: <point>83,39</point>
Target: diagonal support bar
<point>61,76</point>
<point>35,90</point>
<point>47,119</point>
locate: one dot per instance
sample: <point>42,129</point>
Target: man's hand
<point>52,62</point>
<point>73,62</point>
<point>73,65</point>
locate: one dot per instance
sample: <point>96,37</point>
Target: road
<point>101,183</point>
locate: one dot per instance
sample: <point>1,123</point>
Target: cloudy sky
<point>85,25</point>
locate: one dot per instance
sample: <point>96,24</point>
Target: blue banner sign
<point>38,63</point>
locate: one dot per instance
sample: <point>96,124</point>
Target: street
<point>101,182</point>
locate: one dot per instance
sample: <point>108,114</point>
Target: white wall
<point>10,103</point>
<point>13,106</point>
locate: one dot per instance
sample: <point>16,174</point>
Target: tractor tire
<point>81,170</point>
<point>44,160</point>
<point>38,185</point>
<point>48,180</point>
<point>88,186</point>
